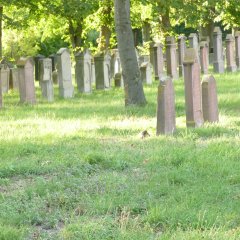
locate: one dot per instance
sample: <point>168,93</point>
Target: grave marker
<point>218,62</point>
<point>231,64</point>
<point>204,57</point>
<point>237,48</point>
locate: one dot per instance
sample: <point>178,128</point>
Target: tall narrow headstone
<point>193,95</point>
<point>26,80</point>
<point>218,62</point>
<point>209,99</point>
<point>66,89</point>
<point>102,71</point>
<point>36,60</point>
<point>83,71</point>
<point>53,57</point>
<point>156,59</point>
<point>5,76</point>
<point>230,54</point>
<point>93,71</point>
<point>204,57</point>
<point>45,78</point>
<point>166,119</point>
<point>237,48</point>
<point>14,81</point>
<point>181,52</point>
<point>171,57</point>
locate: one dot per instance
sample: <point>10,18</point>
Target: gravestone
<point>55,77</point>
<point>146,72</point>
<point>209,99</point>
<point>171,57</point>
<point>181,52</point>
<point>64,69</point>
<point>218,61</point>
<point>5,75</point>
<point>93,71</point>
<point>53,57</point>
<point>83,71</point>
<point>193,95</point>
<point>166,119</point>
<point>193,41</point>
<point>102,71</point>
<point>14,82</point>
<point>115,63</point>
<point>1,95</point>
<point>26,80</point>
<point>230,54</point>
<point>156,59</point>
<point>36,60</point>
<point>45,78</point>
<point>237,48</point>
<point>204,57</point>
<point>118,80</point>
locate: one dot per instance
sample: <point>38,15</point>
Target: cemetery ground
<point>78,169</point>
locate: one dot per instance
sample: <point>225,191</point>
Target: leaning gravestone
<point>218,62</point>
<point>181,52</point>
<point>231,64</point>
<point>146,72</point>
<point>83,71</point>
<point>102,71</point>
<point>66,89</point>
<point>26,80</point>
<point>209,99</point>
<point>5,76</point>
<point>36,60</point>
<point>171,57</point>
<point>193,96</point>
<point>166,119</point>
<point>237,48</point>
<point>204,57</point>
<point>156,59</point>
<point>45,79</point>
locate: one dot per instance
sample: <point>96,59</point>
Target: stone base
<point>218,67</point>
<point>66,93</point>
<point>231,68</point>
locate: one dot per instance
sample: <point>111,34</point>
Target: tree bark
<point>75,35</point>
<point>134,94</point>
<point>105,36</point>
<point>1,20</point>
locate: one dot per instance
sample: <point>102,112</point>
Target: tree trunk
<point>134,94</point>
<point>75,35</point>
<point>1,19</point>
<point>105,36</point>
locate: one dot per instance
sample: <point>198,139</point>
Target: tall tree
<point>134,94</point>
<point>1,20</point>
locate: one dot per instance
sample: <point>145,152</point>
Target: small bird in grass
<point>145,134</point>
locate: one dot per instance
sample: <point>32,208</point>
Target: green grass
<point>78,169</point>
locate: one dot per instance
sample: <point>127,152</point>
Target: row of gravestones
<point>57,69</point>
<point>175,53</point>
<point>201,102</point>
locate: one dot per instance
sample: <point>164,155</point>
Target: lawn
<point>78,169</point>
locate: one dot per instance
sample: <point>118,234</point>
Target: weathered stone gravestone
<point>53,57</point>
<point>45,79</point>
<point>83,71</point>
<point>146,72</point>
<point>55,77</point>
<point>115,63</point>
<point>118,80</point>
<point>5,76</point>
<point>209,99</point>
<point>26,80</point>
<point>36,60</point>
<point>193,94</point>
<point>93,71</point>
<point>230,54</point>
<point>14,81</point>
<point>204,57</point>
<point>66,89</point>
<point>103,71</point>
<point>237,48</point>
<point>171,57</point>
<point>181,52</point>
<point>156,59</point>
<point>218,62</point>
<point>166,119</point>
<point>193,41</point>
<point>1,95</point>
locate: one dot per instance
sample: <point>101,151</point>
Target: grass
<point>78,169</point>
